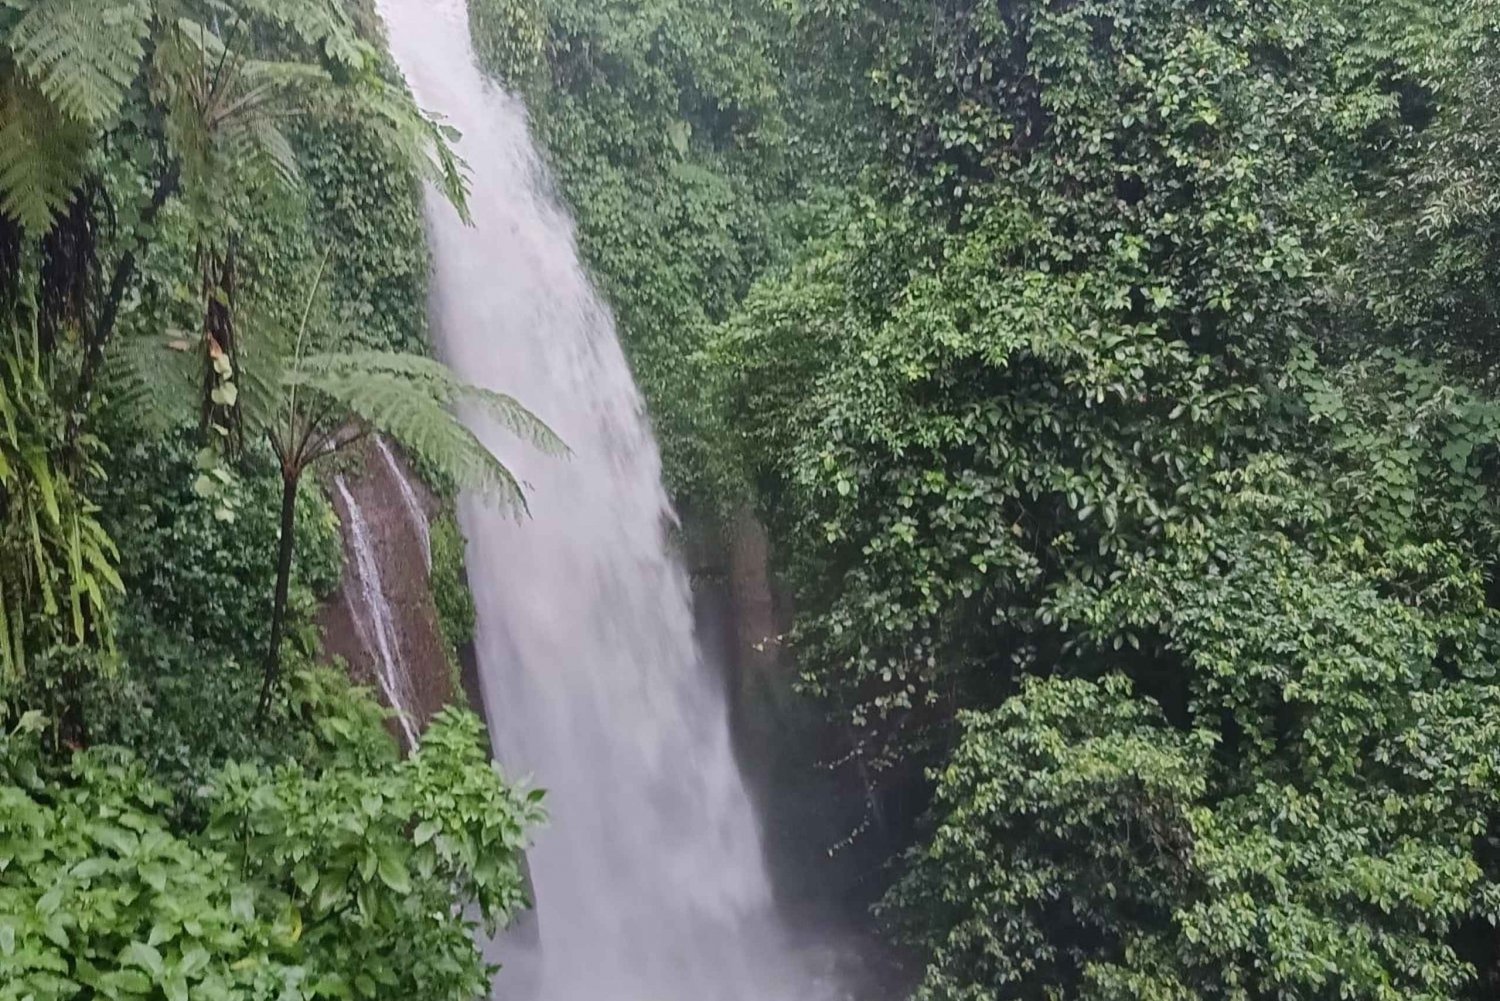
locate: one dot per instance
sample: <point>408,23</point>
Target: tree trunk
<point>218,274</point>
<point>289,484</point>
<point>104,327</point>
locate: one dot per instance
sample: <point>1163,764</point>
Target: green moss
<point>450,588</point>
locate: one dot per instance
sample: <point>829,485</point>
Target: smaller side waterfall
<point>409,498</point>
<point>372,613</point>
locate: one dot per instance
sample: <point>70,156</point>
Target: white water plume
<point>650,880</point>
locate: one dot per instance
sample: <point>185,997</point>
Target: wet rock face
<point>403,659</point>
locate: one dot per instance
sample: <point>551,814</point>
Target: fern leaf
<point>410,399</point>
<point>82,54</point>
<point>424,426</point>
<point>41,157</point>
<point>421,138</point>
<point>319,24</point>
<point>151,385</point>
<point>437,380</point>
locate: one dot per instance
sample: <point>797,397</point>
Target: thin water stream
<point>371,610</point>
<point>651,881</point>
<point>414,511</point>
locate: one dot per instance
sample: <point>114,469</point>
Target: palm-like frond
<point>410,398</point>
<point>83,55</point>
<point>434,379</point>
<point>41,156</point>
<point>422,138</point>
<point>151,383</point>
<point>65,68</point>
<point>322,26</point>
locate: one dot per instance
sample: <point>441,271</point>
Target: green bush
<point>351,878</point>
<point>208,579</point>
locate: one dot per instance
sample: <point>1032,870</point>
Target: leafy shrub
<point>1306,815</point>
<point>210,579</point>
<point>346,879</point>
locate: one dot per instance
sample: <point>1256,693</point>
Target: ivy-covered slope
<point>672,131</point>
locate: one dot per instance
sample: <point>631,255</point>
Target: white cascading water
<point>650,879</point>
<point>371,611</point>
<point>414,510</point>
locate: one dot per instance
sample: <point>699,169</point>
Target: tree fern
<point>65,68</point>
<point>223,107</point>
<point>41,156</point>
<point>342,372</point>
<point>83,55</point>
<point>312,405</point>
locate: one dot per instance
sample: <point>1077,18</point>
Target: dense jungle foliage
<point>213,280</point>
<point>1117,379</point>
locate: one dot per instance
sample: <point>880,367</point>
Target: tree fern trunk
<point>289,483</point>
<point>124,274</point>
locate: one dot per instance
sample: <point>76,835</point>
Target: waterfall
<point>372,614</point>
<point>650,879</point>
<point>409,499</point>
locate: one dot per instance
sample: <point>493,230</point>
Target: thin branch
<point>350,441</point>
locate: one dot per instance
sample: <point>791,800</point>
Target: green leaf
<point>393,872</point>
<point>142,955</point>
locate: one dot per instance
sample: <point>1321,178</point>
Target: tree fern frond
<point>422,138</point>
<point>82,54</point>
<point>41,156</point>
<point>436,380</point>
<point>324,26</point>
<point>262,373</point>
<point>419,420</point>
<point>268,78</point>
<point>257,144</point>
<point>151,383</point>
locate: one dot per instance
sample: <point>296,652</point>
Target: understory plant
<point>350,874</point>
